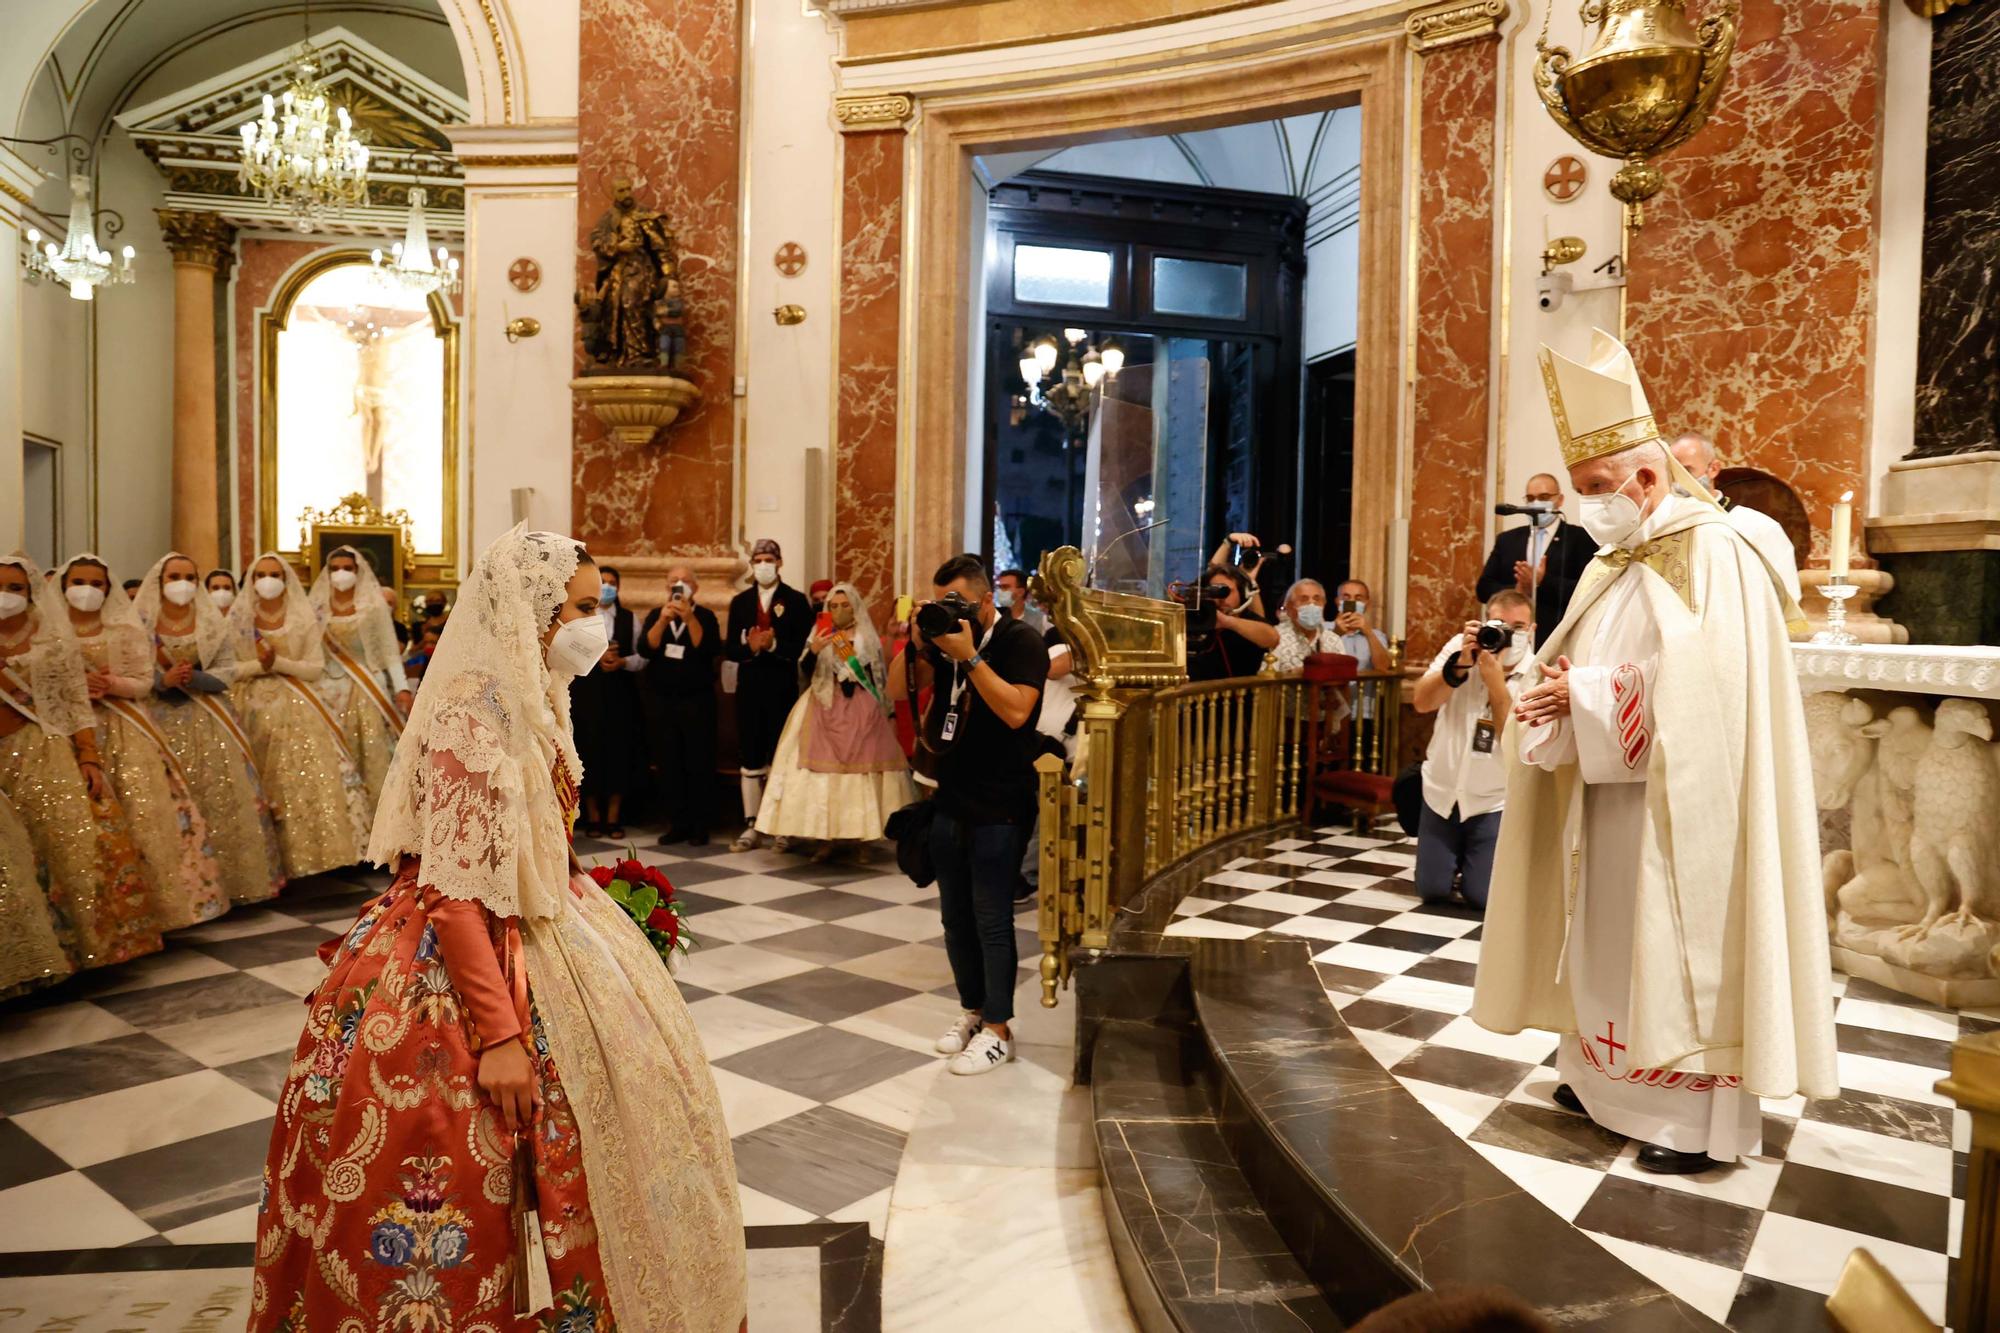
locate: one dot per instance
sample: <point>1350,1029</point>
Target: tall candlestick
<point>1843,519</point>
<point>1399,577</point>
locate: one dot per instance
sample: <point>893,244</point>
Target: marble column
<point>1457,51</point>
<point>871,260</point>
<point>203,247</point>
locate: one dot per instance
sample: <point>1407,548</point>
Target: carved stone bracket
<point>204,240</point>
<point>1454,22</point>
<point>635,408</point>
<point>875,111</point>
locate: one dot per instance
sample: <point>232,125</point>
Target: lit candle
<point>1843,520</point>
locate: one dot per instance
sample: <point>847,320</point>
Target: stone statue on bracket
<point>619,310</point>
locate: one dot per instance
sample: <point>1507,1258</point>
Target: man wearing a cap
<point>1656,889</point>
<point>769,622</point>
<point>817,594</point>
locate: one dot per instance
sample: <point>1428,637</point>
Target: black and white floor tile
<point>136,1102</point>
<point>1757,1245</point>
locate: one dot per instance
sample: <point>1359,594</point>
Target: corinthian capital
<point>205,240</point>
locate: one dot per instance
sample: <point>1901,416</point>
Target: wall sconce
<point>522,326</point>
<point>789,314</point>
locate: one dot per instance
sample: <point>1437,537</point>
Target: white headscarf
<point>867,650</point>
<point>378,628</point>
<point>52,665</point>
<point>298,607</point>
<point>128,641</point>
<point>470,790</point>
<point>211,627</point>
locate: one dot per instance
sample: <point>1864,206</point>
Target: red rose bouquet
<point>648,898</point>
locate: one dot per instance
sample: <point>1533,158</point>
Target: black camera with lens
<point>945,615</point>
<point>1201,601</point>
<point>1494,636</point>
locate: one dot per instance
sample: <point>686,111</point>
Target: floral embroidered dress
<point>394,1197</point>
<point>207,737</point>
<point>98,892</point>
<point>167,826</point>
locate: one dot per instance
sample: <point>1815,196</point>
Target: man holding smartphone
<point>680,643</point>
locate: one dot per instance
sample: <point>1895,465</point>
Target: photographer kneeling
<point>1238,645</point>
<point>986,673</point>
<point>1474,681</point>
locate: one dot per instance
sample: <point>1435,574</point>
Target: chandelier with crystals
<point>303,152</point>
<point>1069,393</point>
<point>410,264</point>
<point>80,263</point>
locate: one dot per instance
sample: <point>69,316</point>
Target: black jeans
<point>977,867</point>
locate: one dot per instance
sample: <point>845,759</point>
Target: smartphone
<point>823,626</point>
<point>1349,606</point>
<point>905,605</point>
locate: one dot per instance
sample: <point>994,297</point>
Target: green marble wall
<point>1945,596</point>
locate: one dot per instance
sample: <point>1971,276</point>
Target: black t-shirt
<point>986,773</point>
<point>1228,654</point>
<point>691,671</point>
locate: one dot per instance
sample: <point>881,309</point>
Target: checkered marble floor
<point>1757,1245</point>
<point>136,1102</point>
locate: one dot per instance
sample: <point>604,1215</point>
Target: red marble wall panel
<point>871,247</point>
<point>1751,283</point>
<point>658,102</point>
<point>1454,340</point>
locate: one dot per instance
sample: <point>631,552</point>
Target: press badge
<point>950,728</point>
<point>1483,733</point>
<point>676,651</point>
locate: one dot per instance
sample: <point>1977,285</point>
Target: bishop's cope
<point>1656,890</point>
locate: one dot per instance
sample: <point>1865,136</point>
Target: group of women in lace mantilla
<point>171,753</point>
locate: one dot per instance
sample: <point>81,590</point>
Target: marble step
<point>1194,1248</point>
<point>1374,1195</point>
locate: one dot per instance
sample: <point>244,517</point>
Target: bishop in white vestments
<point>1656,890</point>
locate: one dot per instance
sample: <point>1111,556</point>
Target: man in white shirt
<point>1302,627</point>
<point>1465,781</point>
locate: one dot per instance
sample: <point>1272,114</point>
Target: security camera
<point>1552,289</point>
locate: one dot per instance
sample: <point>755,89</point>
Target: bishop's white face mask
<point>84,597</point>
<point>1609,519</point>
<point>270,587</point>
<point>181,591</point>
<point>12,604</point>
<point>578,646</point>
<point>223,598</point>
<point>343,580</point>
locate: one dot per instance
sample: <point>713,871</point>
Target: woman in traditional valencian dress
<point>195,656</point>
<point>839,771</point>
<point>30,953</point>
<point>499,1116</point>
<point>167,826</point>
<point>364,683</point>
<point>52,773</point>
<point>310,779</point>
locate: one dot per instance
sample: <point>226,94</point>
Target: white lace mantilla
<point>1966,672</point>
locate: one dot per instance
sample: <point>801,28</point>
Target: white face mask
<point>12,604</point>
<point>343,580</point>
<point>222,597</point>
<point>1003,598</point>
<point>1516,649</point>
<point>765,572</point>
<point>180,592</point>
<point>1609,519</point>
<point>270,587</point>
<point>84,597</point>
<point>578,646</point>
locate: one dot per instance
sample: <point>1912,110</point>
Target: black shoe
<point>697,839</point>
<point>672,836</point>
<point>1666,1162</point>
<point>1565,1097</point>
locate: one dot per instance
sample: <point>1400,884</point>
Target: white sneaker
<point>746,841</point>
<point>953,1041</point>
<point>988,1050</point>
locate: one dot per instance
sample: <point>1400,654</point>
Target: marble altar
<point>1907,777</point>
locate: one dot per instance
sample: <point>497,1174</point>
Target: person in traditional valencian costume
<point>194,661</point>
<point>1656,891</point>
<point>364,683</point>
<point>52,772</point>
<point>839,771</point>
<point>310,778</point>
<point>499,1115</point>
<point>167,826</point>
<point>31,955</point>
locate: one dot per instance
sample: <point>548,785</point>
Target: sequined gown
<point>30,953</point>
<point>167,826</point>
<point>98,890</point>
<point>391,1189</point>
<point>369,737</point>
<point>315,792</point>
<point>224,782</point>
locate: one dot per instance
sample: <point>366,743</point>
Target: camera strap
<point>960,678</point>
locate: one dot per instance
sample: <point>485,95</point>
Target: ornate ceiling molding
<point>1454,22</point>
<point>873,111</point>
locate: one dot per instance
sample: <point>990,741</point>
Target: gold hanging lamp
<point>1645,85</point>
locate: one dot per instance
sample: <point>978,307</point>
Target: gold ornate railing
<point>1224,757</point>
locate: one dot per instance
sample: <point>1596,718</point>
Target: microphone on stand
<point>1534,508</point>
